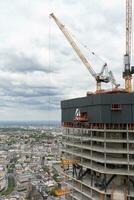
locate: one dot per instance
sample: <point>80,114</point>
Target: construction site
<point>98,131</point>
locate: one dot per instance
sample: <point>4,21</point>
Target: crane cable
<point>49,65</point>
<point>106,71</point>
<point>86,47</point>
<point>105,66</point>
<point>132,50</point>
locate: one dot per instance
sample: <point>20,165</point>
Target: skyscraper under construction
<point>100,142</point>
<point>98,134</point>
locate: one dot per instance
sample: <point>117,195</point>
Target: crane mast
<point>127,74</point>
<point>103,76</point>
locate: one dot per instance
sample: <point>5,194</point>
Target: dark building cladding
<point>98,137</point>
<point>101,108</point>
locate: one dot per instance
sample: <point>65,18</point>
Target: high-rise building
<point>98,140</point>
<point>98,154</point>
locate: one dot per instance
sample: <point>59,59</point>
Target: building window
<point>116,107</point>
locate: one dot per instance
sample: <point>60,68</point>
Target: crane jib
<point>104,75</point>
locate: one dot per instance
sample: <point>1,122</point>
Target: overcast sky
<point>38,68</point>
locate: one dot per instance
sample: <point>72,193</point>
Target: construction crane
<point>104,76</point>
<point>128,70</point>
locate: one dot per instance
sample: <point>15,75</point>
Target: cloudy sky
<point>38,68</point>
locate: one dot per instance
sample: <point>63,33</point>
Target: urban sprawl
<point>30,163</point>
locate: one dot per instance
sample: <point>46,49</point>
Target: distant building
<point>33,194</point>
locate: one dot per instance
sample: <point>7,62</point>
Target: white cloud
<point>25,31</point>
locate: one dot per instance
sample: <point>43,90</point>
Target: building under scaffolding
<point>99,137</point>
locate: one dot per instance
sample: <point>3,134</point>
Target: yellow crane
<point>104,76</point>
<point>128,70</point>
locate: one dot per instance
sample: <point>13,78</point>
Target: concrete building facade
<point>98,137</point>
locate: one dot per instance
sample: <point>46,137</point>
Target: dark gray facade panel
<point>94,114</point>
<point>83,109</point>
<point>79,103</point>
<point>106,114</point>
<point>127,113</point>
<point>132,110</point>
<point>121,99</point>
<point>97,111</point>
<point>106,99</point>
<point>96,99</point>
<point>98,108</point>
<point>123,116</point>
<point>116,117</point>
<point>68,115</point>
<point>89,100</point>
